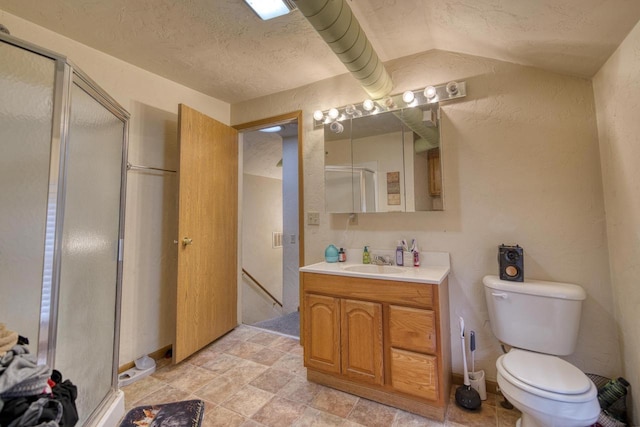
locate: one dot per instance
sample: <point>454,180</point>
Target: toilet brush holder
<point>478,383</point>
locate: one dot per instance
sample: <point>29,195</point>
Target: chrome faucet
<point>381,260</point>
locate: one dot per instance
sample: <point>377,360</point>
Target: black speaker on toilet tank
<point>511,262</point>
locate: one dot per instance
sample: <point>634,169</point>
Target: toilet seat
<point>559,376</point>
<point>546,376</point>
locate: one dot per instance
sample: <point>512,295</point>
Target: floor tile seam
<point>197,388</point>
<point>243,386</point>
<point>217,373</point>
<point>284,398</point>
<point>146,395</point>
<point>186,364</point>
<point>271,332</point>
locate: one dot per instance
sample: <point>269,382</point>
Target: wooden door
<point>208,232</point>
<point>322,333</point>
<point>362,341</point>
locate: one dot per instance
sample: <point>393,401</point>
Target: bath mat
<point>187,413</point>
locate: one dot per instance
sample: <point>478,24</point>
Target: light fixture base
<point>429,95</point>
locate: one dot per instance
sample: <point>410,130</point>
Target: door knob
<point>186,241</point>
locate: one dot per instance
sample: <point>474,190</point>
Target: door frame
<point>294,116</point>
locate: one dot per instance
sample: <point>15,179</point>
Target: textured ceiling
<point>261,153</point>
<point>219,47</point>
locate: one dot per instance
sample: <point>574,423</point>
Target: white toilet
<point>540,320</point>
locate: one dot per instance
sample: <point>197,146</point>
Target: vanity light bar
<point>428,95</point>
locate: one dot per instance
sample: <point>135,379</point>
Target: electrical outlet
<point>353,219</point>
<point>313,218</point>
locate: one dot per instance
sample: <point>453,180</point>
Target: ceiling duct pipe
<point>414,119</point>
<point>336,24</point>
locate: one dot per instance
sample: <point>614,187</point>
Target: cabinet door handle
<point>499,295</point>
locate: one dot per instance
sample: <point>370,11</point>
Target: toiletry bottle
<point>416,257</point>
<point>366,259</point>
<point>342,257</point>
<point>399,251</point>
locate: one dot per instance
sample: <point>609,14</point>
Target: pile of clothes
<point>32,394</point>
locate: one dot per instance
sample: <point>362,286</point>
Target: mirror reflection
<point>385,162</point>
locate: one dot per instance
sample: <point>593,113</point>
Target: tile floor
<point>252,378</point>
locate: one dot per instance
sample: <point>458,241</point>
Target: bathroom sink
<point>374,269</point>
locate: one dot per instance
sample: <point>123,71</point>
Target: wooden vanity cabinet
<point>384,340</point>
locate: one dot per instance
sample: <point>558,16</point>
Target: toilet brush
<point>472,347</point>
<point>466,396</point>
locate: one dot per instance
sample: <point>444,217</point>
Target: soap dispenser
<point>366,258</point>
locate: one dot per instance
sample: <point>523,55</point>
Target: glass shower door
<point>26,110</point>
<point>90,247</point>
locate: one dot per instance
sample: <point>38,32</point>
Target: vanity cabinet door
<point>322,333</point>
<point>362,349</point>
<point>414,373</point>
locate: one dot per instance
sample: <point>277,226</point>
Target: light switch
<point>313,218</point>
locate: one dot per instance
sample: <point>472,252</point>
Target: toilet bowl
<point>547,390</point>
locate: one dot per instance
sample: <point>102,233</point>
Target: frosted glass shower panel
<point>26,109</point>
<point>88,270</point>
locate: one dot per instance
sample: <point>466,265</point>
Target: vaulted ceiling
<point>219,47</point>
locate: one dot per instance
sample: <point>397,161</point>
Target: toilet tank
<point>535,315</point>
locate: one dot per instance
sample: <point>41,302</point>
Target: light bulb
<point>334,113</point>
<point>430,92</point>
<point>368,104</point>
<point>318,115</point>
<point>336,127</point>
<point>452,88</point>
<point>388,102</point>
<point>408,97</point>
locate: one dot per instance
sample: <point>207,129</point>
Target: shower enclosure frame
<point>67,74</point>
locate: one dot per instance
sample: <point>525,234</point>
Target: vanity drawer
<point>414,373</point>
<point>412,329</point>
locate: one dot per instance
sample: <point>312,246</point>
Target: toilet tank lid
<point>537,287</point>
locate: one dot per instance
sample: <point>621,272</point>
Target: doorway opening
<point>271,233</point>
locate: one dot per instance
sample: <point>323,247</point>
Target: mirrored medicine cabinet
<point>385,157</point>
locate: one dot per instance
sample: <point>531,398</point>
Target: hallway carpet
<point>289,324</point>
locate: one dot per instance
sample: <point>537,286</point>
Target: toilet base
<point>528,421</point>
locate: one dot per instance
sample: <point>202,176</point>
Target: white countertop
<point>434,268</point>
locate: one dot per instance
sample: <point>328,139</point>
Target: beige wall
<point>149,275</point>
<point>521,164</point>
<point>261,215</point>
<point>617,93</point>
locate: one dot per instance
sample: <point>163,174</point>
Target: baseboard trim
<point>492,386</point>
<point>156,355</point>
